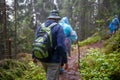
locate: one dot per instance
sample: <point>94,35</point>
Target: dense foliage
<point>112,44</point>
<point>90,40</point>
<point>25,39</point>
<point>98,66</point>
<point>21,69</point>
<point>18,23</point>
<point>35,72</point>
<point>11,69</point>
<point>104,64</point>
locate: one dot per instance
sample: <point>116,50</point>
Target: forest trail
<point>72,73</point>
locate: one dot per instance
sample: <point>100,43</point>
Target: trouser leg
<point>52,70</point>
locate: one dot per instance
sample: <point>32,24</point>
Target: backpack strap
<point>43,25</point>
<point>51,25</point>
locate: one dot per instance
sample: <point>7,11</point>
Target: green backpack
<point>43,42</point>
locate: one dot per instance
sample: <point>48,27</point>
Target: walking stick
<point>78,53</point>
<point>78,47</point>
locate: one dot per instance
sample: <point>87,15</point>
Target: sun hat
<point>54,14</point>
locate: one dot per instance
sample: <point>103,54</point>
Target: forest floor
<point>72,73</point>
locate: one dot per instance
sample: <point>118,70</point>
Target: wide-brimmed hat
<point>54,14</point>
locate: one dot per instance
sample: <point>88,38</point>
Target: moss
<point>90,40</point>
<point>112,44</point>
<point>11,69</point>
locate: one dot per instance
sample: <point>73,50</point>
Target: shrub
<point>14,70</point>
<point>99,66</point>
<point>11,69</point>
<point>112,44</point>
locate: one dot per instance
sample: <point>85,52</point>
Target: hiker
<point>58,54</point>
<point>114,25</point>
<point>71,35</point>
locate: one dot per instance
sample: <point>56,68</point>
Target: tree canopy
<point>20,18</point>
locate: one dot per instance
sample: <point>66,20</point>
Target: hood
<point>65,20</point>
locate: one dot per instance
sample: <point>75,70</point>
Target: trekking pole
<point>77,28</point>
<point>78,47</point>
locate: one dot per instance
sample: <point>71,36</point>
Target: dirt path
<point>72,73</point>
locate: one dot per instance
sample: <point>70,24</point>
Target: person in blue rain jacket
<point>114,25</point>
<point>71,35</point>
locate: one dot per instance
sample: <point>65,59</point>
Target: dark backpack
<point>43,42</point>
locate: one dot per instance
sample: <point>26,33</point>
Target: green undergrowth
<point>23,69</point>
<point>11,69</point>
<point>90,40</point>
<point>35,72</point>
<point>112,44</point>
<point>104,64</point>
<point>99,66</point>
<point>98,36</point>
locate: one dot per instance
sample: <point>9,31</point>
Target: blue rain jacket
<point>69,32</point>
<point>111,27</point>
<point>114,25</point>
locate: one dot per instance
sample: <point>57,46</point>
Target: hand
<point>34,60</point>
<point>66,66</point>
